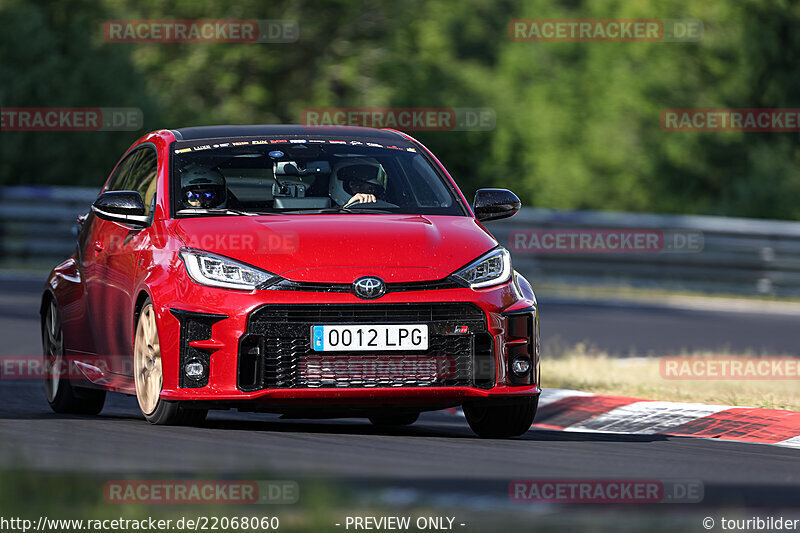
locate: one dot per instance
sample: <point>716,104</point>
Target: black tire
<point>170,413</point>
<point>501,419</point>
<point>62,395</point>
<point>147,348</point>
<point>394,419</point>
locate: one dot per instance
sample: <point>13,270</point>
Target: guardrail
<point>729,255</point>
<point>735,255</point>
<point>37,224</point>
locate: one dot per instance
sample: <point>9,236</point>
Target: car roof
<point>217,132</point>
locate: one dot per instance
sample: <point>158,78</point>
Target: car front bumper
<point>215,327</point>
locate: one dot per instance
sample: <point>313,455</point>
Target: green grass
<point>638,377</point>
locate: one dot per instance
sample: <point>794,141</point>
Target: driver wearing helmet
<point>360,180</point>
<point>203,187</point>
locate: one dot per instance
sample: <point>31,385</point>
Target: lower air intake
<point>276,352</point>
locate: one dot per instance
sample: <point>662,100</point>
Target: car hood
<point>341,248</point>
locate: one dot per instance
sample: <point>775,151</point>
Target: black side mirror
<point>125,207</point>
<point>494,204</point>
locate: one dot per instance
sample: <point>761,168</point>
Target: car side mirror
<point>494,204</point>
<point>125,207</point>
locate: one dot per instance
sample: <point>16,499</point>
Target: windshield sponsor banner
<point>71,119</point>
<point>262,142</point>
<point>201,31</point>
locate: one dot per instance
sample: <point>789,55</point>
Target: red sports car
<point>310,271</point>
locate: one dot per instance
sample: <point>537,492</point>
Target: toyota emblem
<point>369,288</point>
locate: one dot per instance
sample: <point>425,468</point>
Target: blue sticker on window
<point>277,154</point>
<point>318,339</point>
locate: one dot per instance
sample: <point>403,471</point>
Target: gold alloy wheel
<point>54,356</point>
<point>147,361</point>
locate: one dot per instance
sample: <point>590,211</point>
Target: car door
<point>92,258</point>
<point>122,244</point>
<point>111,254</point>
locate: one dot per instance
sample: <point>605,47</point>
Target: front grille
<point>365,313</point>
<point>276,352</point>
<point>310,286</point>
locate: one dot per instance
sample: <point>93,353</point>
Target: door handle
<point>78,227</point>
<point>98,246</point>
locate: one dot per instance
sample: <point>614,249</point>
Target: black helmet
<point>203,187</point>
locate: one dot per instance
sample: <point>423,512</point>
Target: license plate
<point>369,338</point>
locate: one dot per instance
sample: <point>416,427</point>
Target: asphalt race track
<point>644,329</point>
<point>438,453</point>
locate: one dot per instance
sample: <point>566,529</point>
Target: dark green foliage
<point>577,123</point>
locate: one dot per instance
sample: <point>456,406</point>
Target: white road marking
<point>794,442</point>
<point>648,417</point>
<point>553,395</point>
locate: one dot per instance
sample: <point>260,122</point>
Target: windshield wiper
<point>217,211</point>
<point>368,210</point>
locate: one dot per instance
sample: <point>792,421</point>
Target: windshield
<point>308,176</point>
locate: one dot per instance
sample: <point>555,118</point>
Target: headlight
<point>492,268</point>
<point>217,271</point>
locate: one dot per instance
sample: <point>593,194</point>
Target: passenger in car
<point>361,180</point>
